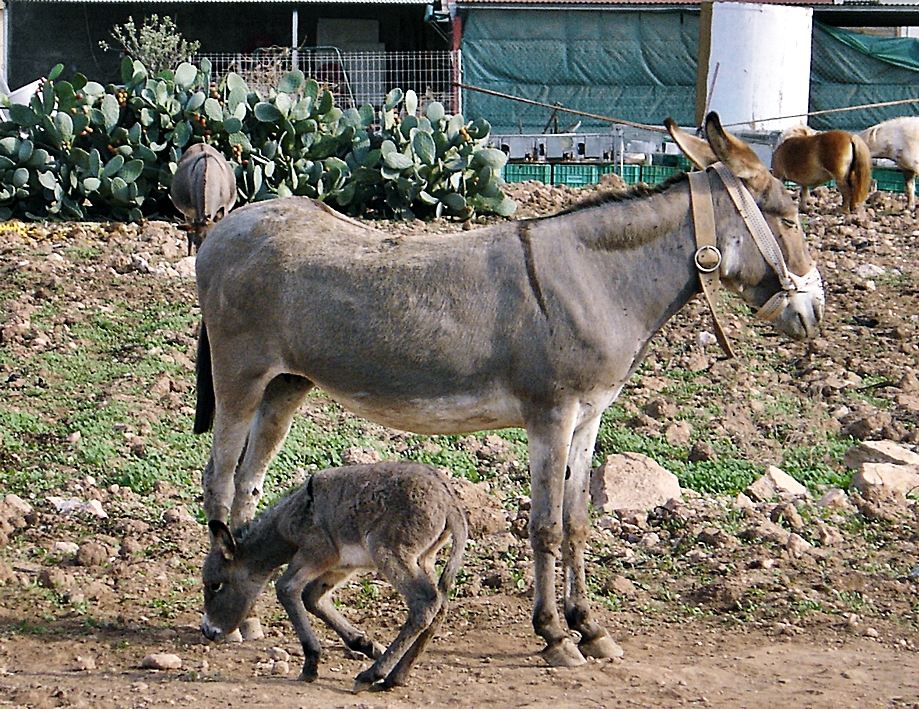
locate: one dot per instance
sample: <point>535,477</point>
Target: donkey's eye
<point>790,223</point>
<point>215,587</point>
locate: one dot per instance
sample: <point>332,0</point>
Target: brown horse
<point>811,158</point>
<point>535,324</point>
<point>897,140</point>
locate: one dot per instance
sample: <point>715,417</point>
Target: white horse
<point>898,140</point>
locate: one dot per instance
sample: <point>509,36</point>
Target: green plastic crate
<point>575,174</point>
<point>522,171</point>
<point>652,174</point>
<point>888,179</point>
<point>630,173</point>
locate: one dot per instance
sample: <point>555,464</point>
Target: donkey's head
<point>786,291</point>
<point>231,587</point>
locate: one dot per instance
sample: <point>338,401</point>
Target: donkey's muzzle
<point>209,631</point>
<point>798,309</point>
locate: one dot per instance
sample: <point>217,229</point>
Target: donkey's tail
<point>204,385</point>
<point>859,176</point>
<point>456,523</point>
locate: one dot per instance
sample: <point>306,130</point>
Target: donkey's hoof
<point>362,684</point>
<point>251,629</point>
<point>563,654</point>
<point>602,646</point>
<point>366,680</point>
<point>234,637</point>
<point>365,647</point>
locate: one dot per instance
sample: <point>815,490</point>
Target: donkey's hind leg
<point>424,604</point>
<point>317,597</point>
<point>399,674</point>
<point>269,428</point>
<point>595,640</point>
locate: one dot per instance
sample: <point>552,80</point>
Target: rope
<point>830,110</point>
<point>559,107</point>
<point>658,129</point>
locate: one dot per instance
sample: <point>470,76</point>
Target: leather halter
<point>708,257</point>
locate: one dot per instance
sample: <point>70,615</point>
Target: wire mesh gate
<point>356,78</point>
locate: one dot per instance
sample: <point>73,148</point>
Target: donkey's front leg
<point>595,640</point>
<point>289,589</point>
<point>549,439</point>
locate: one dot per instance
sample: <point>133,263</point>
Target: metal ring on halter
<point>708,252</point>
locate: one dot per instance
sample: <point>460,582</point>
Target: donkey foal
<point>391,516</point>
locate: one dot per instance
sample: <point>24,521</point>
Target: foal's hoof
<point>563,654</point>
<point>362,685</point>
<point>602,646</point>
<point>365,680</point>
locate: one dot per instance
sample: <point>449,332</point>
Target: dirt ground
<point>712,605</point>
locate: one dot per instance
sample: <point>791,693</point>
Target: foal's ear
<point>739,157</point>
<point>694,148</point>
<point>222,539</point>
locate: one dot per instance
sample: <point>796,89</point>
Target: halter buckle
<point>708,258</point>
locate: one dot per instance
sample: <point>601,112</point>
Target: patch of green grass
<point>102,391</point>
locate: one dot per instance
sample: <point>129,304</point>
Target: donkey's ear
<point>694,148</point>
<point>222,539</point>
<point>739,157</point>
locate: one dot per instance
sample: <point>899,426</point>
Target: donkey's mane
<point>639,190</point>
<point>248,529</point>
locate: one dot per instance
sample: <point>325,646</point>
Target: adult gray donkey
<point>534,323</point>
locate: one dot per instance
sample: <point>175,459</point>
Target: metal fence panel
<point>356,78</point>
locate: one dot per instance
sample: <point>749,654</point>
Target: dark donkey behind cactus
<point>390,516</point>
<point>203,189</point>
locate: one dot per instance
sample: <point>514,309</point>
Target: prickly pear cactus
<point>80,149</point>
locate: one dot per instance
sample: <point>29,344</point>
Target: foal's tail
<point>456,523</point>
<point>204,385</point>
<point>859,176</point>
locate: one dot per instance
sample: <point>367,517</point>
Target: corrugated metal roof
<point>251,2</point>
<point>619,4</point>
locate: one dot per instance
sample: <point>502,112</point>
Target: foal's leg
<point>289,589</point>
<point>399,674</point>
<point>595,641</point>
<point>424,603</point>
<point>269,428</point>
<point>317,597</point>
<point>549,440</point>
